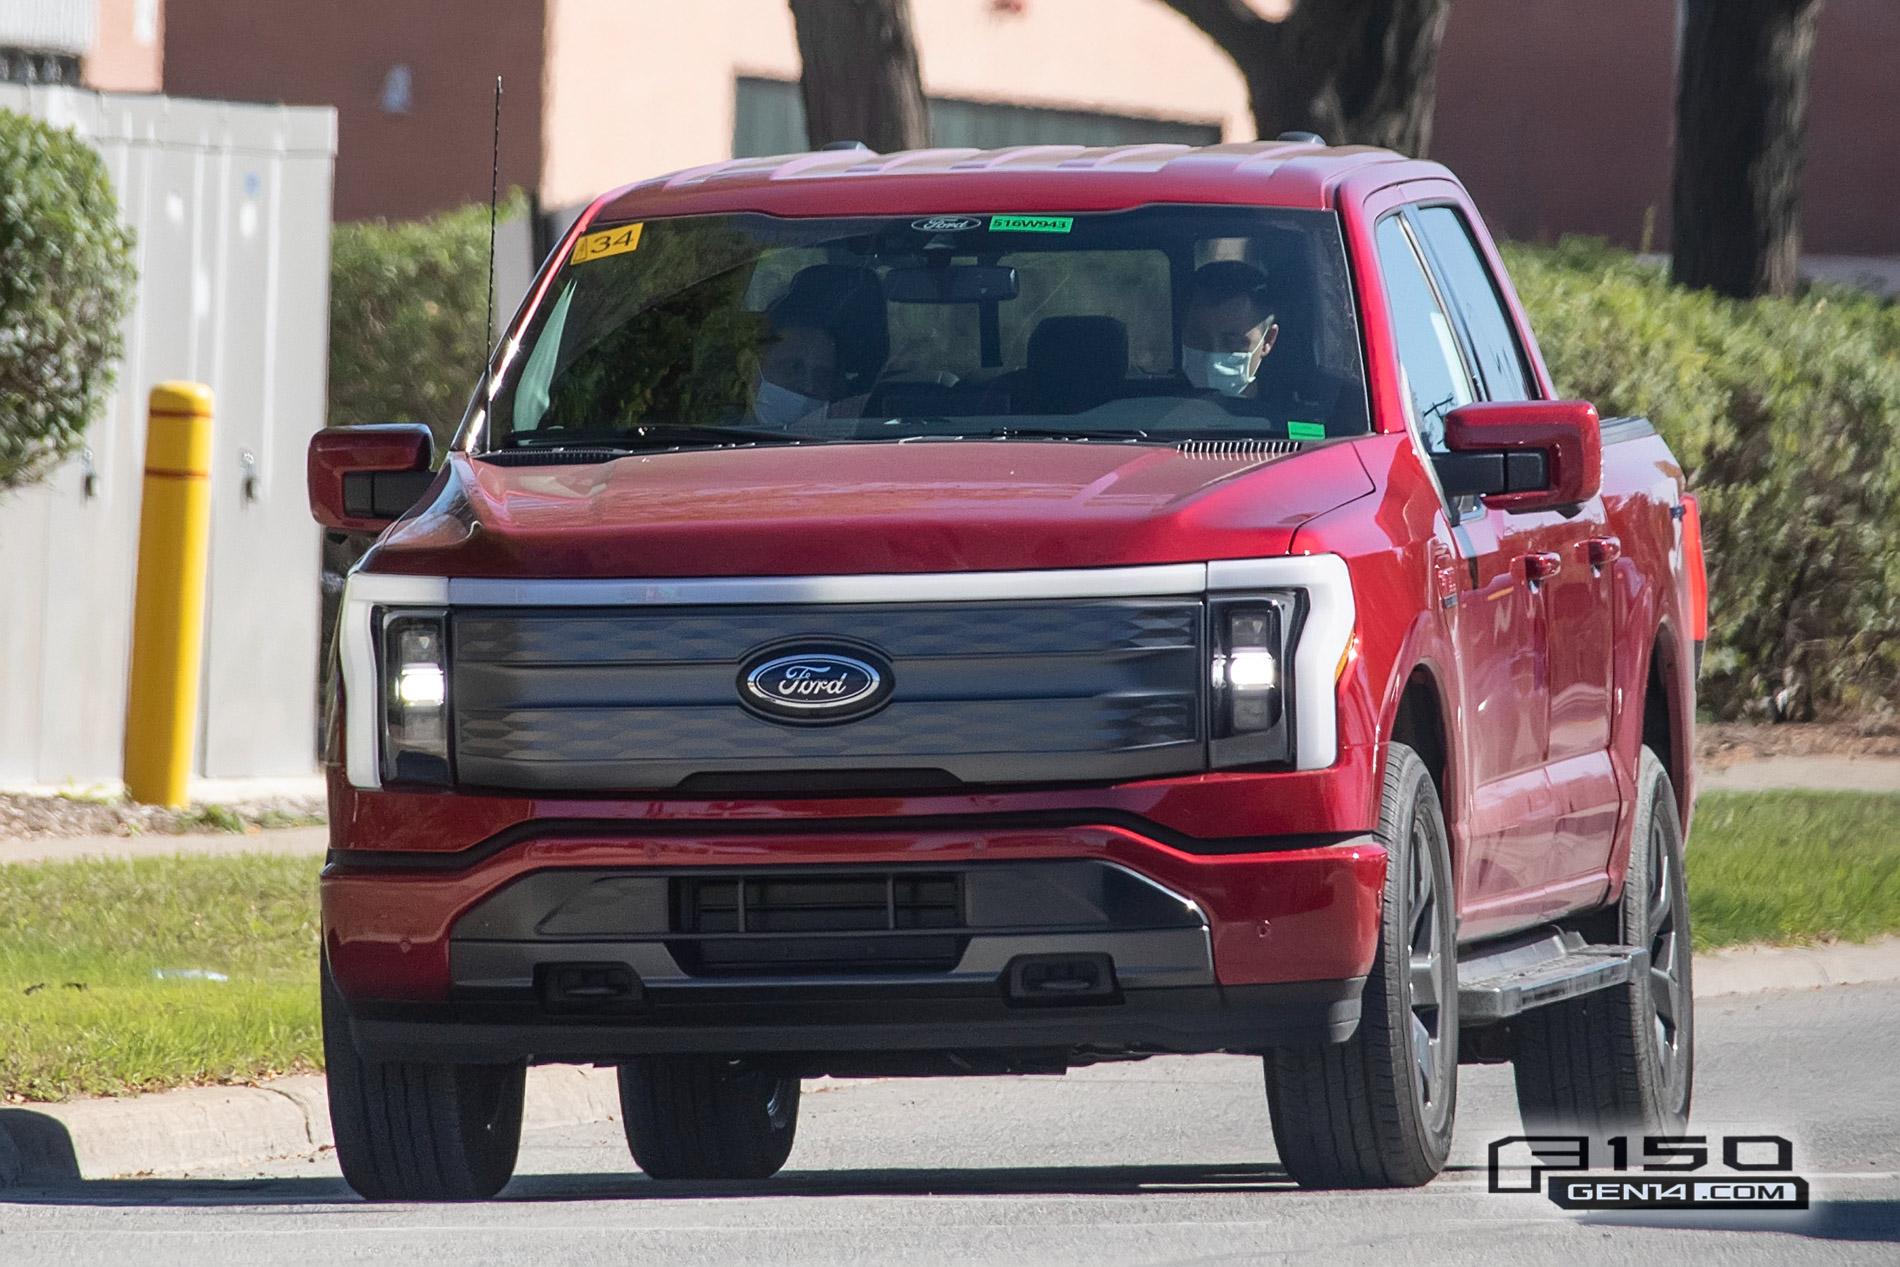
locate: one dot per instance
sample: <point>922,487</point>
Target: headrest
<point>1076,363</point>
<point>847,301</point>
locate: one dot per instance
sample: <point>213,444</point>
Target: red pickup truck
<point>957,612</point>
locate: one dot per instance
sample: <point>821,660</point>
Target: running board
<point>1497,982</point>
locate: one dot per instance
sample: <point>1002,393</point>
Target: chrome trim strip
<point>920,587</point>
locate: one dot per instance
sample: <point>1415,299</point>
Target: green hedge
<point>1787,414</point>
<point>407,321</point>
<point>66,277</point>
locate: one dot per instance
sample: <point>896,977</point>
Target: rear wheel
<point>708,1117</point>
<point>1377,1110</point>
<point>416,1131</point>
<point>1622,1061</point>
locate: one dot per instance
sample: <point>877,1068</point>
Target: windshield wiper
<point>1068,433</point>
<point>661,435</point>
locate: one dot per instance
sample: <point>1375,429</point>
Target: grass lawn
<point>81,1011</point>
<point>1794,867</point>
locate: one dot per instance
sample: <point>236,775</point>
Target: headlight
<point>1250,640</point>
<point>415,671</point>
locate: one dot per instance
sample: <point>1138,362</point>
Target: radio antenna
<point>494,197</point>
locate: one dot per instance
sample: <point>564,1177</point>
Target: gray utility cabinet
<point>231,204</point>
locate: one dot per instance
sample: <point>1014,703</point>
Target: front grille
<point>752,925</point>
<point>614,699</point>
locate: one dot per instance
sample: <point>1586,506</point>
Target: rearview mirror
<point>955,284</point>
<point>1523,455</point>
<point>362,479</point>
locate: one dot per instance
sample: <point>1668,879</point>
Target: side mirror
<point>362,479</point>
<point>1522,455</point>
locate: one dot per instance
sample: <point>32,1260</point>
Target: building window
<point>34,66</point>
<point>398,89</point>
<point>770,119</point>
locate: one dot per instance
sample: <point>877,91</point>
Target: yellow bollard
<point>161,706</point>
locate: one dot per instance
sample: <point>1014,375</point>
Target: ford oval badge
<point>946,224</point>
<point>815,684</point>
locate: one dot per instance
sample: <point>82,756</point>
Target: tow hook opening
<point>1061,979</point>
<point>588,987</point>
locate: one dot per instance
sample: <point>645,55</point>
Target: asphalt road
<point>1169,1161</point>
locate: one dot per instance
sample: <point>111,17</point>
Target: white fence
<point>231,204</point>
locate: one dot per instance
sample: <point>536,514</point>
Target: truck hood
<point>833,509</point>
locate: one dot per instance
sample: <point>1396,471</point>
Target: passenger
<point>1227,329</point>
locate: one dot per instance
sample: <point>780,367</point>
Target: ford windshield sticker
<point>946,224</point>
<point>1031,224</point>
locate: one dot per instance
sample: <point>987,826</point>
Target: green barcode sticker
<point>1305,431</point>
<point>1031,224</point>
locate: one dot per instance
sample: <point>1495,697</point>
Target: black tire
<point>1622,1061</point>
<point>1377,1111</point>
<point>412,1131</point>
<point>708,1117</point>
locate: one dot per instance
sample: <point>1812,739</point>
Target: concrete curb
<point>1753,969</point>
<point>217,1128</point>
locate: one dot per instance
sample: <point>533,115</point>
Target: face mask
<point>777,406</point>
<point>1228,373</point>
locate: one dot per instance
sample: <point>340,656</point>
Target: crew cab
<point>987,612</point>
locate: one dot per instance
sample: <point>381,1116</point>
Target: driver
<point>1227,329</point>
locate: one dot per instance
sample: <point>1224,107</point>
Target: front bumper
<point>871,1030</point>
<point>1242,951</point>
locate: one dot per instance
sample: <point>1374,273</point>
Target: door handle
<point>1542,566</point>
<point>1603,551</point>
<point>1445,574</point>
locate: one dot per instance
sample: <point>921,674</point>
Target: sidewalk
<point>1811,774</point>
<point>291,840</point>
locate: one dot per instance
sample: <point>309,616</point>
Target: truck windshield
<point>1163,323</point>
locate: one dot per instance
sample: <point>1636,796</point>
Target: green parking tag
<point>1031,224</point>
<point>1305,431</point>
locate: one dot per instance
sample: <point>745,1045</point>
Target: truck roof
<point>1049,178</point>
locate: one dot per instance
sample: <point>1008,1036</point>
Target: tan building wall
<point>645,86</point>
<point>128,52</point>
<point>1557,113</point>
<point>601,92</point>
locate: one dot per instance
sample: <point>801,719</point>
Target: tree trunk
<point>1358,72</point>
<point>861,80</point>
<point>1741,123</point>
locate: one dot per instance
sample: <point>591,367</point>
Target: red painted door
<point>1578,604</point>
<point>1561,565</point>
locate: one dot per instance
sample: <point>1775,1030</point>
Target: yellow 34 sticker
<point>598,246</point>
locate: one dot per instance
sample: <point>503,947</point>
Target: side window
<point>1474,293</point>
<point>1435,378</point>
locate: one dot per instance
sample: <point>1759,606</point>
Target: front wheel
<point>1376,1111</point>
<point>414,1130</point>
